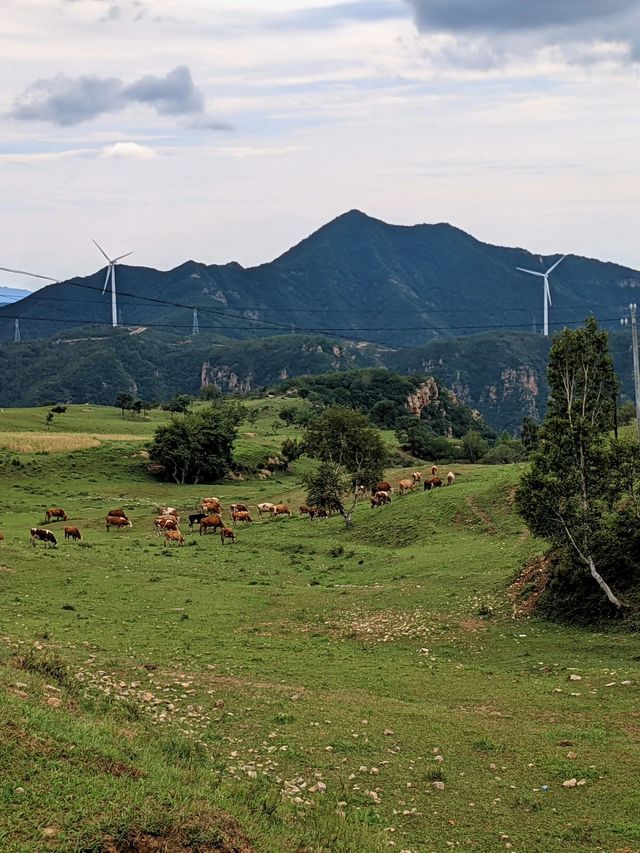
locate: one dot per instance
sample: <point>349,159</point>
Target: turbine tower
<point>111,272</point>
<point>16,326</point>
<point>546,296</point>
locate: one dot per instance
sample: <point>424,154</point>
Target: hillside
<point>308,688</point>
<point>355,277</point>
<point>8,295</point>
<point>503,376</point>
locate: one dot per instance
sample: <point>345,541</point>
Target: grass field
<point>307,689</point>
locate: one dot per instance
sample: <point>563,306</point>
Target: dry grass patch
<point>58,442</point>
<point>384,626</point>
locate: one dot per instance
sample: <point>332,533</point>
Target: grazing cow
<point>56,514</point>
<point>196,518</point>
<point>41,534</point>
<point>265,509</point>
<point>432,483</point>
<point>117,513</point>
<point>319,512</point>
<point>165,522</point>
<point>382,487</point>
<point>416,477</point>
<point>227,533</point>
<point>241,515</point>
<point>281,509</point>
<point>304,510</point>
<point>117,522</point>
<point>239,508</point>
<point>167,510</point>
<point>434,470</point>
<point>380,499</point>
<point>450,478</point>
<point>174,536</point>
<point>212,506</point>
<point>405,486</point>
<point>72,533</point>
<point>211,522</point>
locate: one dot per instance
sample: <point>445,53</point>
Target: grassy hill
<point>303,689</point>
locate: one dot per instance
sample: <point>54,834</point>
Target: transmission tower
<point>16,331</point>
<point>196,328</point>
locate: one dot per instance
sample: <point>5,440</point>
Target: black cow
<point>41,534</point>
<point>196,518</point>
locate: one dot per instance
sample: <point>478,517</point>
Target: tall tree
<point>564,498</point>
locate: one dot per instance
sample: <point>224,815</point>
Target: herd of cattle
<point>209,518</point>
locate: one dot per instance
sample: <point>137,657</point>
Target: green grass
<point>203,690</point>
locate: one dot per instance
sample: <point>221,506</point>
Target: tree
<point>474,446</point>
<point>124,401</point>
<point>385,413</point>
<point>178,404</point>
<point>288,414</point>
<point>291,450</point>
<point>347,444</point>
<point>136,408</point>
<point>420,441</point>
<point>568,496</point>
<point>197,447</point>
<point>529,434</point>
<point>626,413</point>
<point>210,392</point>
<point>252,416</point>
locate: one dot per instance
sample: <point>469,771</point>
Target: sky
<point>220,130</point>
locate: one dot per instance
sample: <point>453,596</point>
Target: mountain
<point>8,295</point>
<point>356,277</point>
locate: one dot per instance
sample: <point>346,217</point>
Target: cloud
<point>328,17</point>
<point>67,101</point>
<point>511,27</point>
<point>128,151</point>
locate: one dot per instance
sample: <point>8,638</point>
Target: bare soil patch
<point>526,591</point>
<point>223,831</point>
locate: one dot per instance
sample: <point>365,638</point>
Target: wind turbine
<point>111,271</point>
<point>546,292</point>
<point>16,326</point>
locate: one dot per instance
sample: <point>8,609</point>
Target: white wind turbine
<point>111,271</point>
<point>546,292</point>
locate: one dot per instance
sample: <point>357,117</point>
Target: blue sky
<point>230,130</point>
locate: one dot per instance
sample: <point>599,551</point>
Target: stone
<point>439,786</point>
<point>574,677</point>
<point>54,702</point>
<point>570,783</point>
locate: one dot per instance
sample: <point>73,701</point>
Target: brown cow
<point>211,505</point>
<point>56,514</point>
<point>382,487</point>
<point>432,483</point>
<point>380,499</point>
<point>174,536</point>
<point>434,470</point>
<point>281,509</point>
<point>227,533</point>
<point>450,478</point>
<point>405,486</point>
<point>242,515</point>
<point>304,510</point>
<point>117,522</point>
<point>1,536</point>
<point>416,477</point>
<point>165,522</point>
<point>239,508</point>
<point>72,533</point>
<point>40,534</point>
<point>211,522</point>
<point>319,512</point>
<point>265,509</point>
<point>117,513</point>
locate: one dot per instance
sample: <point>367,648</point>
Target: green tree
<point>626,413</point>
<point>197,447</point>
<point>568,496</point>
<point>288,414</point>
<point>210,392</point>
<point>291,450</point>
<point>178,404</point>
<point>420,441</point>
<point>529,434</point>
<point>385,413</point>
<point>326,487</point>
<point>136,408</point>
<point>252,416</point>
<point>123,401</point>
<point>474,446</point>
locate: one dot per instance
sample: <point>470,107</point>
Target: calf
<point>41,534</point>
<point>174,536</point>
<point>72,533</point>
<point>227,533</point>
<point>240,516</point>
<point>211,522</point>
<point>117,522</point>
<point>55,514</point>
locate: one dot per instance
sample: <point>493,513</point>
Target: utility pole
<point>16,331</point>
<point>633,321</point>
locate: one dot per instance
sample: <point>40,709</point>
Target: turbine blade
<point>120,257</point>
<point>102,250</point>
<point>551,269</point>
<point>106,281</point>
<point>33,274</point>
<point>531,272</point>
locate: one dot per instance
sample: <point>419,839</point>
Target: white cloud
<point>128,151</point>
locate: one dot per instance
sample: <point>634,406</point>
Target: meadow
<point>310,688</point>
